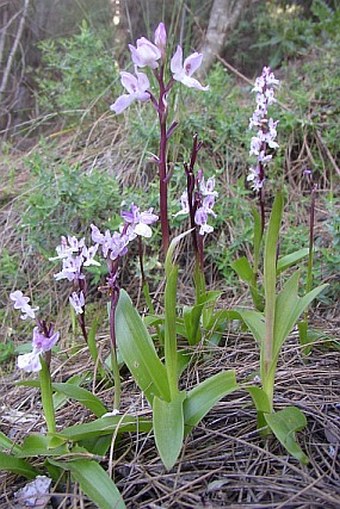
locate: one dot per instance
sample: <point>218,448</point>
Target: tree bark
<point>224,16</point>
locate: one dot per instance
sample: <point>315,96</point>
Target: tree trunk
<point>224,16</point>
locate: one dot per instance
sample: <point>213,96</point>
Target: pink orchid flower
<point>146,53</point>
<point>183,71</point>
<point>137,87</point>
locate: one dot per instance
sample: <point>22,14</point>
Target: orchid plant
<point>277,312</point>
<point>197,202</point>
<point>75,256</point>
<point>153,56</point>
<point>38,360</point>
<point>262,146</point>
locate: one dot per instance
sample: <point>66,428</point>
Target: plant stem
<point>309,282</point>
<point>170,339</point>
<point>115,366</point>
<point>162,163</point>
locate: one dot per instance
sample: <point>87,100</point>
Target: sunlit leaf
<point>170,335</point>
<point>106,426</point>
<point>59,399</point>
<point>289,308</point>
<point>291,259</point>
<point>254,320</point>
<point>7,445</point>
<point>243,269</point>
<point>260,399</point>
<point>39,445</point>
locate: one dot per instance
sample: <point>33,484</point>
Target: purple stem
<point>81,283</point>
<point>193,201</point>
<point>161,108</point>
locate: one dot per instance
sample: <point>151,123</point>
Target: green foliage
<point>6,351</point>
<point>276,32</point>
<point>76,72</point>
<point>284,424</point>
<point>159,380</point>
<point>272,327</point>
<point>66,199</point>
<point>94,482</point>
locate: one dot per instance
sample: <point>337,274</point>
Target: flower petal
<point>192,83</point>
<point>129,82</point>
<point>143,230</point>
<point>192,63</point>
<point>122,103</point>
<point>176,61</point>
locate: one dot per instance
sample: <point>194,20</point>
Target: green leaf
<point>243,269</point>
<point>291,259</point>
<point>270,263</point>
<point>171,250</point>
<point>259,398</point>
<point>257,238</point>
<point>97,445</point>
<point>204,396</point>
<point>18,466</point>
<point>308,336</point>
<point>59,399</point>
<point>191,317</point>
<point>94,482</point>
<point>106,426</point>
<point>138,351</point>
<point>47,395</point>
<point>262,405</point>
<point>170,336</point>
<point>254,320</point>
<point>84,397</point>
<point>284,424</point>
<point>168,425</point>
<point>40,445</point>
<point>6,444</point>
<point>289,307</point>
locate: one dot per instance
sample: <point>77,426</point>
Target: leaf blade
<point>284,424</point>
<point>204,396</point>
<point>168,424</point>
<point>138,351</point>
<point>94,482</point>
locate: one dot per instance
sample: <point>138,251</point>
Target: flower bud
<point>160,38</point>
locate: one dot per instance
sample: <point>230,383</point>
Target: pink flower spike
<point>160,38</point>
<point>137,87</point>
<point>183,72</point>
<point>145,54</point>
